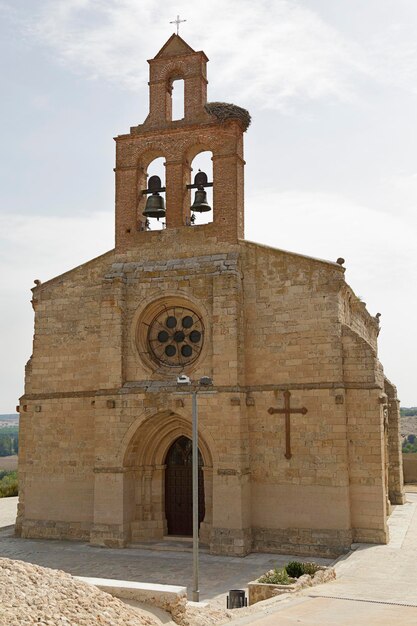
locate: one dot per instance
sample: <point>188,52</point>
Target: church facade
<point>299,442</point>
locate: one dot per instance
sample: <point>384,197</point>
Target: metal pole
<point>196,591</point>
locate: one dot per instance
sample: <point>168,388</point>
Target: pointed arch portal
<point>157,462</point>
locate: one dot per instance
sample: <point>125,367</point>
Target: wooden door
<point>179,488</point>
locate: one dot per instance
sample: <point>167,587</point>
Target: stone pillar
<point>177,205</point>
<point>228,189</point>
<point>147,492</point>
<point>109,528</point>
<point>158,500</point>
<point>149,522</point>
<point>195,94</point>
<point>395,459</point>
<point>231,534</point>
<point>160,102</point>
<point>126,201</point>
<point>227,307</point>
<point>111,332</point>
<point>365,433</point>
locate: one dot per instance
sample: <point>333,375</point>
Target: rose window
<point>175,336</point>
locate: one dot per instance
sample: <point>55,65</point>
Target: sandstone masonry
<point>101,419</point>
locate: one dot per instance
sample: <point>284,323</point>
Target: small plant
<point>295,569</point>
<point>310,568</point>
<point>276,577</point>
<point>288,574</point>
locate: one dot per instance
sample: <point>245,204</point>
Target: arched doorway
<point>178,488</point>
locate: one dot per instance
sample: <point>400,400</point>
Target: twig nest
<point>224,111</point>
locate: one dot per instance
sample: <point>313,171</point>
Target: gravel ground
<point>31,595</point>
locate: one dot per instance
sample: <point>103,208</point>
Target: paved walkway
<point>218,574</point>
<point>375,585</point>
<point>8,508</point>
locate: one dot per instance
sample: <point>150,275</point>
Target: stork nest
<point>224,111</point>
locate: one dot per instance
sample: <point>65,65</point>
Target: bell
<point>200,202</point>
<point>155,206</point>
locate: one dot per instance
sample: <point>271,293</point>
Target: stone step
<point>179,544</point>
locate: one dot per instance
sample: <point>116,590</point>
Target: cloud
<point>401,189</point>
<point>381,264</point>
<point>270,52</point>
<point>393,54</point>
<point>45,246</point>
<point>379,251</point>
<point>37,247</point>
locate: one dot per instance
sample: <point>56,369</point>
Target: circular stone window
<point>175,336</point>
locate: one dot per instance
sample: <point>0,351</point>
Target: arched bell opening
<point>177,99</point>
<point>201,197</point>
<point>151,195</point>
<point>179,488</point>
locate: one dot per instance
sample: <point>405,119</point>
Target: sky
<point>331,152</point>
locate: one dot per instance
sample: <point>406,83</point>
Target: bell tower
<point>216,127</point>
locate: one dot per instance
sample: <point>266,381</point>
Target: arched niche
<point>177,99</point>
<point>202,160</point>
<point>151,164</point>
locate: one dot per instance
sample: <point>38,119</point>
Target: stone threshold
<point>170,544</point>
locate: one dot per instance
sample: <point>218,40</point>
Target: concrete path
<point>375,585</point>
<point>8,508</point>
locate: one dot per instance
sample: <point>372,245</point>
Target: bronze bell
<point>155,206</point>
<point>200,202</point>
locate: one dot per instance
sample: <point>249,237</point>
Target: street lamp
<point>205,381</point>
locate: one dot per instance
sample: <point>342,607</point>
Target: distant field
<point>8,463</point>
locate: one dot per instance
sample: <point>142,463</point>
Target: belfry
<point>299,443</point>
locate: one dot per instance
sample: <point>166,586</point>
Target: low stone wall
<point>263,591</point>
<point>410,467</point>
<point>170,598</point>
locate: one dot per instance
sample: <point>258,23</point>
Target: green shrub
<point>9,485</point>
<point>294,569</point>
<point>310,568</point>
<point>276,577</point>
<point>297,569</point>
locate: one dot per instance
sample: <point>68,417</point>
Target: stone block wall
<point>271,321</point>
<point>56,461</point>
<point>100,412</point>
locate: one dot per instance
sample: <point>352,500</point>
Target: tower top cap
<point>176,46</point>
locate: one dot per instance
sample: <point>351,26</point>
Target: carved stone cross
<point>287,410</point>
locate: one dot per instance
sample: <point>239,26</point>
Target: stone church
<point>298,443</point>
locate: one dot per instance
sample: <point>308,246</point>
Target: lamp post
<point>205,381</point>
<point>196,591</point>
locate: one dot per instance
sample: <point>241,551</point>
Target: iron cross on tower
<point>178,22</point>
<point>287,410</point>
